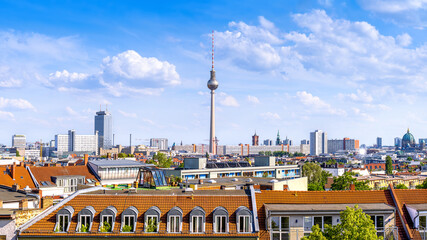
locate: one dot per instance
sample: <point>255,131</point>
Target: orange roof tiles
<point>45,173</point>
<point>143,203</point>
<point>22,177</point>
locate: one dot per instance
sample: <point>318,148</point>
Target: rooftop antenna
<point>213,49</point>
<point>106,107</point>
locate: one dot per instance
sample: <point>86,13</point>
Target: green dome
<point>408,139</point>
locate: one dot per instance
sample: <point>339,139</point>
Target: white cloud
<point>270,116</point>
<point>363,115</point>
<point>6,115</point>
<point>253,99</point>
<point>66,76</point>
<point>71,111</point>
<point>393,6</point>
<point>128,115</point>
<point>404,40</point>
<point>326,3</point>
<point>10,83</point>
<point>359,96</point>
<point>227,100</point>
<point>314,103</point>
<point>17,103</point>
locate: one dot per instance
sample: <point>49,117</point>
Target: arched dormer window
<point>63,219</point>
<point>85,219</point>
<point>174,220</point>
<point>220,220</point>
<point>244,220</point>
<point>129,217</point>
<point>107,219</point>
<point>152,219</point>
<point>197,220</point>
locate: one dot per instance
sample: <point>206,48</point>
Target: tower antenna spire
<point>213,50</point>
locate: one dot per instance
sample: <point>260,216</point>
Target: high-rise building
<point>268,142</point>
<point>76,143</point>
<point>379,142</point>
<point>160,143</point>
<point>318,142</point>
<point>305,141</point>
<point>287,141</point>
<point>19,141</point>
<point>335,145</point>
<point>278,141</point>
<point>104,127</point>
<point>398,142</point>
<point>255,140</point>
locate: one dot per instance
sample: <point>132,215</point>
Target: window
<point>84,223</point>
<point>379,224</point>
<point>423,222</point>
<point>129,217</point>
<point>128,224</point>
<point>174,220</point>
<point>321,221</point>
<point>197,224</point>
<point>151,224</point>
<point>244,220</point>
<point>62,225</point>
<point>279,228</point>
<point>106,224</point>
<point>220,217</point>
<point>220,224</point>
<point>174,224</point>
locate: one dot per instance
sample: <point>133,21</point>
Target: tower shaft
<point>212,147</point>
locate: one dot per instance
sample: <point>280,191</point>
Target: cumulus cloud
<point>227,100</point>
<point>127,72</point>
<point>404,40</point>
<point>359,96</point>
<point>6,115</point>
<point>253,99</point>
<point>314,103</point>
<point>16,103</point>
<point>270,116</point>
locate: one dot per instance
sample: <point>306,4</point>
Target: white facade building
<point>19,141</point>
<point>160,143</point>
<point>318,142</point>
<point>76,143</point>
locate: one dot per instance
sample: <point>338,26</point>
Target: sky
<point>354,69</point>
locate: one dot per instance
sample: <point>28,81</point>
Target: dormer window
<point>85,219</point>
<point>244,220</point>
<point>174,220</point>
<point>63,219</point>
<point>107,219</point>
<point>129,217</point>
<point>220,218</point>
<point>152,219</point>
<point>197,220</point>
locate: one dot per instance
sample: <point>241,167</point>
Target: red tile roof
<point>45,173</point>
<point>22,177</point>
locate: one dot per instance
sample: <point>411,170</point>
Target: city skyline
<point>353,69</point>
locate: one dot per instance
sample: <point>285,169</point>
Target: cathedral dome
<point>408,140</point>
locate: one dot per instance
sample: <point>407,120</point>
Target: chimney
<point>352,186</point>
<point>86,159</point>
<point>15,187</point>
<point>13,172</point>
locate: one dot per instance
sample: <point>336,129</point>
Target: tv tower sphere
<point>212,83</point>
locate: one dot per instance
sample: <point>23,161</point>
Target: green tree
<point>409,158</point>
<point>401,186</point>
<point>388,165</point>
<point>423,185</point>
<point>331,161</point>
<point>162,160</point>
<point>121,155</point>
<point>17,153</point>
<point>207,155</point>
<point>355,225</point>
<point>262,153</point>
<point>316,177</point>
<point>343,182</point>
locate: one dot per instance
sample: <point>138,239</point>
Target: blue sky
<point>352,68</point>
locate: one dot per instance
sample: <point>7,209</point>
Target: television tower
<point>212,85</point>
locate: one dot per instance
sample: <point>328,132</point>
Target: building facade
<point>104,127</point>
<point>335,145</point>
<point>19,141</point>
<point>76,143</point>
<point>318,142</point>
<point>379,142</point>
<point>160,143</point>
<point>255,140</point>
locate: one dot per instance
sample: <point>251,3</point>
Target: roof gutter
<point>32,177</point>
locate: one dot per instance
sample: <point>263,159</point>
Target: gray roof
<point>11,196</point>
<point>326,207</point>
<point>418,207</point>
<point>118,163</point>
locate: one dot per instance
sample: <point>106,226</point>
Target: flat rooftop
<point>11,196</point>
<point>230,181</point>
<point>326,207</point>
<point>171,192</point>
<point>118,163</point>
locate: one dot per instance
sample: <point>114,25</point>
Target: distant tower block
<point>212,85</point>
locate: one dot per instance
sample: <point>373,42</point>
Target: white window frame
<point>131,218</point>
<point>103,220</point>
<point>422,228</point>
<point>281,230</point>
<point>65,226</point>
<point>380,230</point>
<point>308,231</point>
<point>240,222</point>
<point>195,222</point>
<point>219,220</point>
<point>80,222</point>
<point>177,223</point>
<point>157,221</point>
